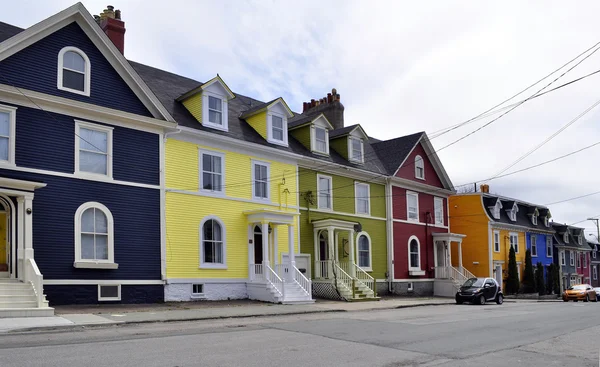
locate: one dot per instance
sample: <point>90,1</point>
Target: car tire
<point>482,300</point>
<point>499,299</point>
<point>565,300</point>
<point>587,298</point>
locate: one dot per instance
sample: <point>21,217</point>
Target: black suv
<point>480,290</point>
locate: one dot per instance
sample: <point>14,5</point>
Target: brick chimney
<point>111,23</point>
<point>485,188</point>
<point>330,106</point>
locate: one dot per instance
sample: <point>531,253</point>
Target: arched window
<point>414,254</point>
<point>94,237</point>
<point>363,244</point>
<point>419,167</point>
<point>212,243</point>
<point>74,71</point>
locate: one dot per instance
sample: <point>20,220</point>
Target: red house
<point>418,225</point>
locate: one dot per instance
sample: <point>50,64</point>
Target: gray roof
<point>572,233</point>
<point>523,215</point>
<point>256,108</point>
<point>341,132</point>
<point>394,151</point>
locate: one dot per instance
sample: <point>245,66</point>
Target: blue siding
<point>136,213</point>
<point>35,68</point>
<point>46,141</point>
<point>88,294</point>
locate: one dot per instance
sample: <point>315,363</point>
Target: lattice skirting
<point>325,290</point>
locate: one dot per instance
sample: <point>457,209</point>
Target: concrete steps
<point>18,299</point>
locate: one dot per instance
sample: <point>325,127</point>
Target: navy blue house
<point>81,185</point>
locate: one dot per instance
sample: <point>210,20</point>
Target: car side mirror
<point>486,286</point>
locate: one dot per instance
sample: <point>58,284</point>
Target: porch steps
<point>361,292</point>
<point>18,299</point>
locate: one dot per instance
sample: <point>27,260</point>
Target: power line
<point>575,198</point>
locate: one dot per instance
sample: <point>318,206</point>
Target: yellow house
<point>231,200</point>
<point>493,224</point>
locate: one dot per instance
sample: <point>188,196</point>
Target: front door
<point>499,275</point>
<point>323,255</point>
<point>258,245</point>
<point>4,250</point>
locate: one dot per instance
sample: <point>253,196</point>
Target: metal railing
<point>34,276</point>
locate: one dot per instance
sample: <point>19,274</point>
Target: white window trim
<point>497,234</point>
<point>224,113</point>
<point>516,242</point>
<point>88,72</point>
<point>319,177</point>
<point>549,246</point>
<point>533,239</point>
<point>546,222</point>
<point>578,258</point>
<point>201,153</point>
<point>118,298</point>
<point>270,138</point>
<point>204,265</point>
<point>566,237</point>
<point>369,268</point>
<point>440,201</point>
<point>95,264</point>
<point>356,186</point>
<point>580,240</point>
<point>12,130</point>
<point>197,295</point>
<point>594,252</point>
<point>408,193</point>
<point>571,258</point>
<point>412,268</point>
<point>109,148</point>
<point>421,165</point>
<point>585,262</point>
<point>534,219</point>
<point>362,150</point>
<point>313,140</point>
<point>497,208</point>
<point>563,257</point>
<point>268,165</point>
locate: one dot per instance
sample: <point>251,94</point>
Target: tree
<point>512,280</point>
<point>550,279</point>
<point>528,276</point>
<point>540,284</point>
<point>556,279</point>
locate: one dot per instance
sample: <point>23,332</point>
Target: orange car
<point>579,292</point>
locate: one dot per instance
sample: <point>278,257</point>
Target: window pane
<point>214,103</point>
<point>74,61</point>
<point>277,134</point>
<point>217,185</point>
<point>87,221</point>
<point>206,163</point>
<point>73,80</point>
<point>92,162</point>
<point>214,117</point>
<point>4,149</point>
<point>215,164</point>
<point>87,246</point>
<point>4,124</point>
<point>208,252</point>
<point>207,181</point>
<point>218,251</point>
<point>414,260</point>
<point>277,122</point>
<point>101,247</point>
<point>320,134</point>
<point>363,259</point>
<point>101,222</point>
<point>414,246</point>
<point>217,231</point>
<point>208,230</point>
<point>321,146</point>
<point>95,141</point>
<point>363,243</point>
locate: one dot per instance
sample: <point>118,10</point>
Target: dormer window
<point>546,222</point>
<point>215,110</point>
<point>356,150</point>
<point>566,237</point>
<point>74,71</point>
<point>419,168</point>
<point>512,214</point>
<point>534,219</point>
<point>320,141</point>
<point>277,129</point>
<point>579,239</point>
<point>496,210</point>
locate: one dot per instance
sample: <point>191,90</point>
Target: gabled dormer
<point>270,120</point>
<point>495,209</point>
<point>545,215</point>
<point>312,132</point>
<point>533,213</point>
<point>208,103</point>
<point>566,236</point>
<point>511,210</point>
<point>349,142</point>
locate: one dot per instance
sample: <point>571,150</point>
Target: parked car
<point>597,290</point>
<point>580,292</point>
<point>479,291</point>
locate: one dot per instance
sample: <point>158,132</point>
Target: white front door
<point>499,274</point>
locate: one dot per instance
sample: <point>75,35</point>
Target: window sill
<point>261,200</point>
<point>215,126</point>
<point>416,272</point>
<point>76,91</point>
<point>420,178</point>
<point>357,161</point>
<point>198,296</point>
<point>278,142</point>
<point>325,209</point>
<point>213,266</point>
<point>93,176</point>
<point>369,270</point>
<point>324,154</point>
<point>212,193</point>
<point>94,265</point>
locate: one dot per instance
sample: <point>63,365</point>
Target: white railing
<point>323,269</point>
<point>457,275</point>
<point>345,265</point>
<point>274,279</point>
<point>282,271</point>
<point>344,278</point>
<point>256,273</point>
<point>303,281</point>
<point>467,274</point>
<point>364,278</point>
<point>33,276</point>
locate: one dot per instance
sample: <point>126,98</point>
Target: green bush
<point>540,284</point>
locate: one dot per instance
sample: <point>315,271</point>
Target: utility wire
<point>575,198</point>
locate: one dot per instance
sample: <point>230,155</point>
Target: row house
<point>572,254</point>
<point>594,262</point>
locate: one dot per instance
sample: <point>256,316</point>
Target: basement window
<point>197,290</point>
<point>109,292</point>
<point>410,287</point>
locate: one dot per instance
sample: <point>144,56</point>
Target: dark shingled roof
<point>523,215</point>
<point>393,152</point>
<point>298,120</point>
<point>258,107</point>
<point>341,132</point>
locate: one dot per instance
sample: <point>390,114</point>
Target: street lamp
<point>597,226</point>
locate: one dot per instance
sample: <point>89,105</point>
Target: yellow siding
<point>467,217</point>
<point>259,123</point>
<point>505,249</point>
<point>185,212</point>
<point>194,105</point>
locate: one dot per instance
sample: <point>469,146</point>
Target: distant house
<point>571,254</point>
<point>80,166</point>
<point>595,261</point>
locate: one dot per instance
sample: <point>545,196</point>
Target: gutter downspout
<point>389,232</point>
<point>163,204</point>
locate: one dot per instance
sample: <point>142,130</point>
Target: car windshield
<point>577,288</point>
<point>473,282</point>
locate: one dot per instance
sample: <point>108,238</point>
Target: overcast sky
<point>400,67</point>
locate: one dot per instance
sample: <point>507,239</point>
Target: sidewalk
<point>103,315</point>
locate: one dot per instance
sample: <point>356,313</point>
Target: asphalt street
<point>513,334</point>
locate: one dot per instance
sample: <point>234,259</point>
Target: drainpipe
<point>389,233</point>
<point>176,131</point>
